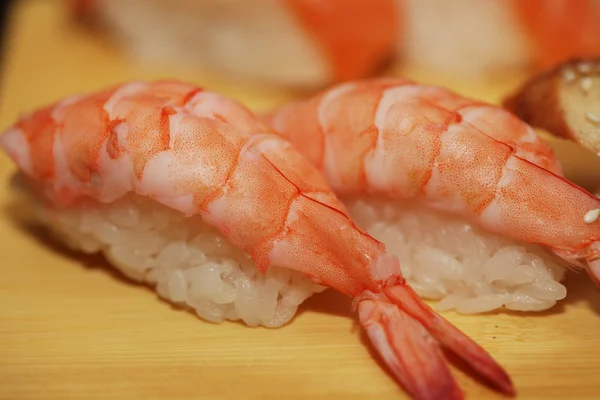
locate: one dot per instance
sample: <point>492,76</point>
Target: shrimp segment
<point>418,353</point>
<point>395,138</point>
<point>201,154</point>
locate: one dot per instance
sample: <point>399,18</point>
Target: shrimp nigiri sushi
<point>111,186</point>
<point>468,197</point>
<point>188,191</point>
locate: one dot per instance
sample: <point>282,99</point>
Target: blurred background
<point>265,52</point>
<point>4,7</point>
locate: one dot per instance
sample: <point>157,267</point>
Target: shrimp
<point>396,138</point>
<point>202,154</point>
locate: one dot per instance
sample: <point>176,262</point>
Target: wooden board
<point>70,328</point>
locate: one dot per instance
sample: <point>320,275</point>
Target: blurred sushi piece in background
<point>559,30</point>
<point>291,42</point>
<point>478,38</point>
<point>463,37</point>
<point>308,43</point>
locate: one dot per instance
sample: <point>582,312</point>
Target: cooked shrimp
<point>202,154</point>
<point>396,138</point>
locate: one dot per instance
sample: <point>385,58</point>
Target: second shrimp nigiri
<point>464,193</point>
<point>145,166</point>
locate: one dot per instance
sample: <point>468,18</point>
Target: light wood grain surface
<point>70,328</point>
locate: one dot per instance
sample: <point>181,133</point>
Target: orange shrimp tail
<point>409,351</point>
<point>408,335</point>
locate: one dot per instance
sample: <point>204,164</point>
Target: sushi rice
<point>187,261</point>
<point>190,264</point>
<point>445,258</point>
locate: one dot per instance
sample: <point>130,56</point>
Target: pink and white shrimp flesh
<point>210,160</point>
<point>427,148</point>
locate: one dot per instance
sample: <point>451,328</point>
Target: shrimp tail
<point>408,350</point>
<point>408,335</point>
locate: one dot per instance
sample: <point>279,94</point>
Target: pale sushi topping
<point>586,84</point>
<point>592,117</point>
<point>591,216</point>
<point>568,75</point>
